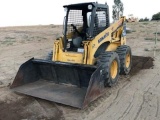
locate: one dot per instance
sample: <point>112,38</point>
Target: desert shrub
<point>133,30</point>
<point>151,39</point>
<point>144,20</point>
<point>141,20</point>
<point>156,16</point>
<point>157,33</point>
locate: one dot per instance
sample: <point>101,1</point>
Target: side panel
<point>96,87</point>
<point>113,46</point>
<point>70,57</point>
<point>27,73</point>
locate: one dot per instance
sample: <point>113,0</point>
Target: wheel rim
<point>114,68</point>
<point>128,60</point>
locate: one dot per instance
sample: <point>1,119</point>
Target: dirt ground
<point>134,97</point>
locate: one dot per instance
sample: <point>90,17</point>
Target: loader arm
<point>107,40</point>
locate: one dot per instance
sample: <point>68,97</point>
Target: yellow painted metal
<point>113,46</point>
<point>71,57</point>
<point>114,69</point>
<point>86,43</point>
<point>112,35</point>
<point>128,60</point>
<point>55,50</point>
<point>123,41</point>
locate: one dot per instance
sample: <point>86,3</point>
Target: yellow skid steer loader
<point>85,60</point>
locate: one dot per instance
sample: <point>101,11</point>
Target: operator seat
<point>77,42</point>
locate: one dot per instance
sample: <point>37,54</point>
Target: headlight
<point>89,7</point>
<point>65,9</point>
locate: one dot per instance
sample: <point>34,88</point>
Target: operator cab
<point>83,22</point>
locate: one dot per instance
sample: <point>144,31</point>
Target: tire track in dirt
<point>145,95</point>
<point>145,92</point>
<point>138,112</point>
<point>128,108</point>
<point>157,107</point>
<point>121,97</point>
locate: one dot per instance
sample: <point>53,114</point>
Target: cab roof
<point>83,5</point>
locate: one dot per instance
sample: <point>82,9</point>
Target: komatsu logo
<point>102,38</point>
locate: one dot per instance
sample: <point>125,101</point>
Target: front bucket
<point>70,84</point>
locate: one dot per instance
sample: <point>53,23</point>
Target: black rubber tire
<point>122,51</point>
<point>106,59</point>
<point>49,56</point>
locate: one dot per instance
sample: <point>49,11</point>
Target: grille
<point>101,21</point>
<point>75,17</point>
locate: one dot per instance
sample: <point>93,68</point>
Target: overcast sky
<point>36,12</point>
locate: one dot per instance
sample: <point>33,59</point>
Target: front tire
<point>111,67</point>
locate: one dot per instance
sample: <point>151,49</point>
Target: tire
<point>111,67</point>
<point>125,56</point>
<point>49,56</point>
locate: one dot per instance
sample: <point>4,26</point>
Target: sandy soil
<point>134,97</point>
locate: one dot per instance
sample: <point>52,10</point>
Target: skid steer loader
<point>85,60</point>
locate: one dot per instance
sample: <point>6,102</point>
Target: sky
<point>44,12</point>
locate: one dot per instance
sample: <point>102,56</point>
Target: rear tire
<point>111,67</point>
<point>125,56</point>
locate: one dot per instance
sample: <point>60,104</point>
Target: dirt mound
<point>140,62</point>
<point>30,109</point>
